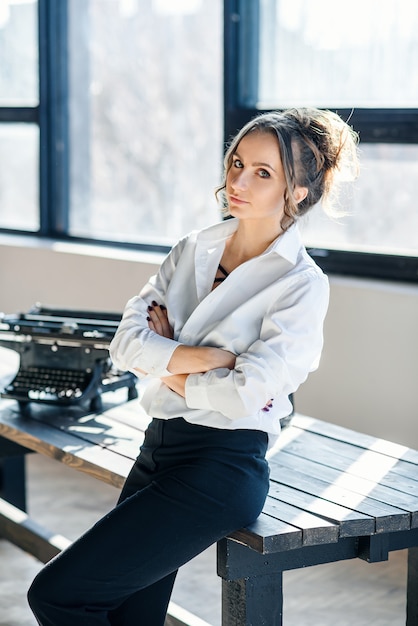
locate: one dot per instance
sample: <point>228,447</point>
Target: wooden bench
<point>335,494</point>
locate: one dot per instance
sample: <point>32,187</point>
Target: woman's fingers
<point>268,405</point>
<point>158,320</point>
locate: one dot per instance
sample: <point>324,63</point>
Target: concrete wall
<point>368,377</point>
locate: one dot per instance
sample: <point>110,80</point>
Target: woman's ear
<point>300,193</point>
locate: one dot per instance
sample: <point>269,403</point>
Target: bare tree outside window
<point>145,117</point>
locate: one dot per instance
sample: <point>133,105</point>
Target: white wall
<point>368,377</point>
<point>69,275</point>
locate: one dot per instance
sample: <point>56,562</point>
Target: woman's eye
<point>237,163</point>
<point>264,174</point>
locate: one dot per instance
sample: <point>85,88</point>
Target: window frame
<point>241,32</point>
<point>51,117</point>
<point>240,29</point>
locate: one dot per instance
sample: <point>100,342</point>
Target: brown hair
<point>318,149</point>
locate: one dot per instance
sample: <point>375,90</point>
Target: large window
<point>19,132</point>
<point>111,115</point>
<point>114,132</point>
<point>360,61</point>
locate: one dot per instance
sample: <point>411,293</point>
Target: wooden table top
<point>327,482</point>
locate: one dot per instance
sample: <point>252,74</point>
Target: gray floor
<point>328,595</point>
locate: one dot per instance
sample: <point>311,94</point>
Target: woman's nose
<point>239,181</point>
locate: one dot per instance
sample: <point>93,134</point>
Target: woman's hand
<point>158,320</point>
<point>187,359</point>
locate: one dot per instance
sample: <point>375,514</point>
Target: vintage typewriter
<point>64,357</point>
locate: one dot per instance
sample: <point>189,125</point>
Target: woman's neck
<point>250,239</point>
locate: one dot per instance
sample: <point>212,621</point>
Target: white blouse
<point>269,312</point>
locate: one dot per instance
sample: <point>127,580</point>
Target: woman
<point>227,329</point>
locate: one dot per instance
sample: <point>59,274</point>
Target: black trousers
<point>190,486</point>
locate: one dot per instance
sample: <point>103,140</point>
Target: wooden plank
<point>351,523</point>
<point>22,531</point>
<point>91,459</point>
<point>100,430</point>
<point>267,535</point>
<point>361,440</point>
<point>368,476</point>
<point>315,530</point>
<point>357,463</point>
<point>132,414</point>
<point>356,460</point>
<point>331,472</point>
<point>114,407</point>
<point>307,476</point>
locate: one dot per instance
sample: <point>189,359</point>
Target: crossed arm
<point>186,359</point>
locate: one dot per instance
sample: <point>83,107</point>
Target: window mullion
<point>241,46</point>
<point>53,116</point>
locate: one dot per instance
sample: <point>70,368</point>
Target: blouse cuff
<point>157,354</point>
<point>196,393</point>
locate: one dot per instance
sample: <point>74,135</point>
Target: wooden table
<point>335,494</point>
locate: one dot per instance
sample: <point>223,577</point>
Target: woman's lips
<point>235,200</point>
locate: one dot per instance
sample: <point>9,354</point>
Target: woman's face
<point>255,182</point>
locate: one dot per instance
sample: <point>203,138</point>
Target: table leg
<point>254,601</point>
<point>12,481</point>
<point>12,473</point>
<point>252,591</point>
<point>412,588</point>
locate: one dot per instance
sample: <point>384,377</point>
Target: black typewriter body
<point>64,357</point>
